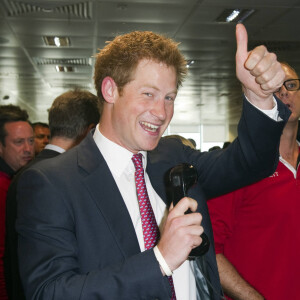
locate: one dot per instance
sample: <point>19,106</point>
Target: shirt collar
<point>55,148</point>
<point>117,157</point>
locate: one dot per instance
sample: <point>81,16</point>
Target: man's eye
<point>148,94</point>
<point>169,98</point>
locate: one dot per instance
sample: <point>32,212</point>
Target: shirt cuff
<point>271,113</point>
<point>162,261</point>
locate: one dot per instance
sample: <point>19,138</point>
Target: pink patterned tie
<point>150,228</point>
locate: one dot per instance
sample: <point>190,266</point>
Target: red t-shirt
<point>257,228</point>
<point>4,184</point>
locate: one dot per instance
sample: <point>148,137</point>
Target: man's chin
<point>27,160</point>
<point>149,142</point>
<point>151,146</point>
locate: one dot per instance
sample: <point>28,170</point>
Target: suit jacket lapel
<point>104,191</point>
<point>156,170</point>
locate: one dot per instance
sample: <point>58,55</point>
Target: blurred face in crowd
<point>19,144</point>
<point>142,111</point>
<point>291,98</point>
<point>41,138</point>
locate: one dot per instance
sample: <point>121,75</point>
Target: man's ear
<point>109,89</point>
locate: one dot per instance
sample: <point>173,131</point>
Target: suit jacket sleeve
<point>253,155</point>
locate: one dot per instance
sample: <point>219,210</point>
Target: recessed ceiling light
<point>65,69</point>
<point>47,10</point>
<point>189,63</point>
<point>59,68</point>
<point>57,41</point>
<point>235,15</point>
<point>69,69</point>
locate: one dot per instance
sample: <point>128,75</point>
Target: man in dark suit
<point>79,221</point>
<point>72,115</point>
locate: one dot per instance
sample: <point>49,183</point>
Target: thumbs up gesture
<point>258,70</point>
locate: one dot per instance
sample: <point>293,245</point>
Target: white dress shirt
<point>122,168</point>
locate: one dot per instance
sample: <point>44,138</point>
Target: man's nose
<point>46,140</point>
<point>159,109</point>
<point>283,93</point>
<point>28,147</point>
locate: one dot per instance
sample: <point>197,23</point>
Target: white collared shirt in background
<point>55,148</point>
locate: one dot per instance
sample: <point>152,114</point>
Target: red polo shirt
<point>257,228</point>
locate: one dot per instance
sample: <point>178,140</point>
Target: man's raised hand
<point>258,70</point>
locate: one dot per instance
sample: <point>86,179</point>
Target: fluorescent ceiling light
<point>59,69</point>
<point>57,41</point>
<point>235,15</point>
<point>65,69</point>
<point>189,63</point>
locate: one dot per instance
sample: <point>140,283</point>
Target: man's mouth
<point>149,127</point>
<point>27,158</point>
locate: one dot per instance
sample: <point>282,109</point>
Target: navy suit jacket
<point>76,238</point>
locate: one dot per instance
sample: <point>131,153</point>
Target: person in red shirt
<point>256,228</point>
<point>16,150</point>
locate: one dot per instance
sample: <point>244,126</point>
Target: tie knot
<point>137,161</point>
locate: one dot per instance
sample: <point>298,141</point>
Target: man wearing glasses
<point>256,228</point>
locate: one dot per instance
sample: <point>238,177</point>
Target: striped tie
<point>149,225</point>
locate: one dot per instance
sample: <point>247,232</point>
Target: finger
<point>241,43</point>
<point>197,242</point>
<point>274,84</point>
<point>195,230</point>
<point>183,205</point>
<point>265,72</point>
<point>269,70</point>
<point>185,221</point>
<point>255,57</point>
<point>189,234</point>
<point>261,61</point>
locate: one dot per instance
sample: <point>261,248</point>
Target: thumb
<point>241,43</point>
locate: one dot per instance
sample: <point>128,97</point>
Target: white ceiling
<point>211,93</point>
